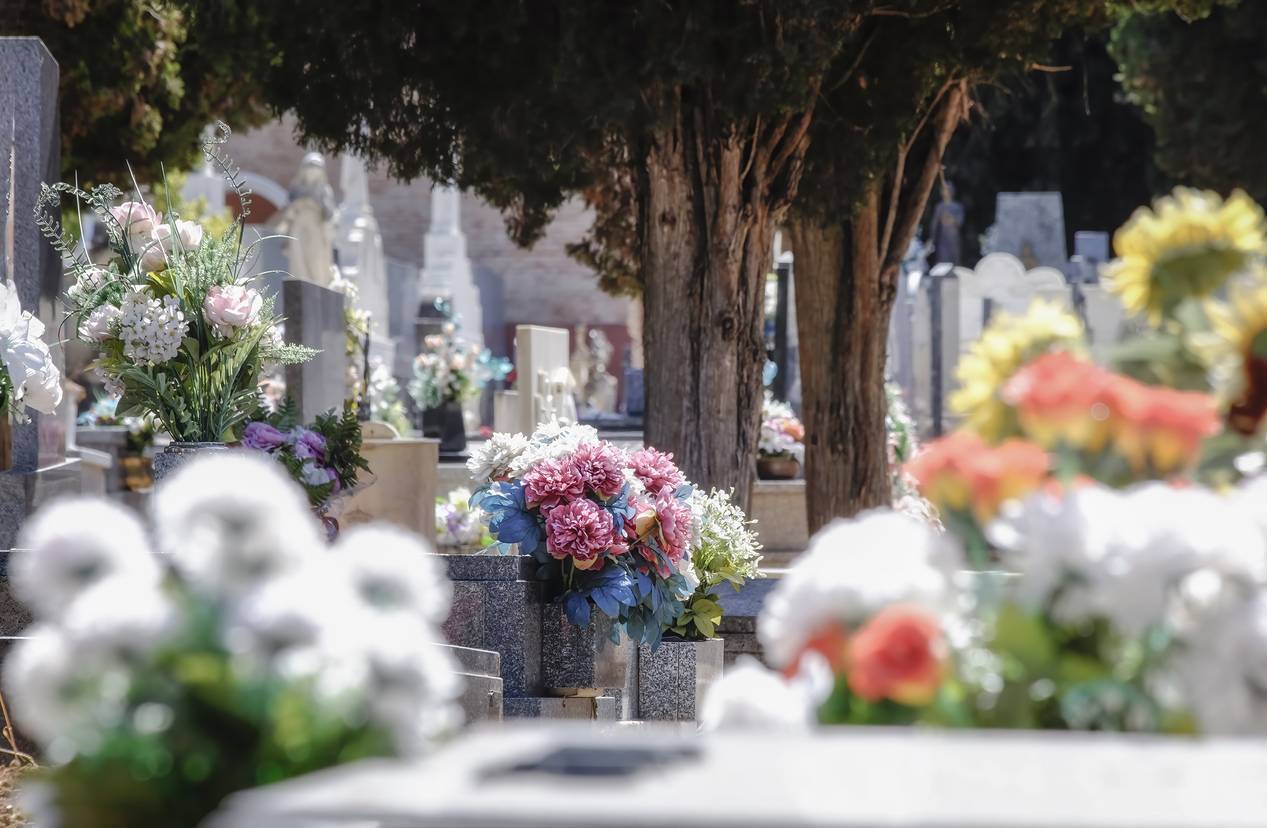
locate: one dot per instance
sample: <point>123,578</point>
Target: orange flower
<point>792,428</point>
<point>1160,429</point>
<point>960,473</point>
<point>897,655</point>
<point>831,641</point>
<point>1060,400</point>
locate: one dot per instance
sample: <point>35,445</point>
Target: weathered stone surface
<point>314,317</point>
<point>588,708</point>
<point>674,678</point>
<point>482,686</point>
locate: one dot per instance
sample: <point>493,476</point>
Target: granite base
<point>674,679</point>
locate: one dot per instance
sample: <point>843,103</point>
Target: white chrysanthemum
<point>151,330</point>
<point>44,687</point>
<point>390,570</point>
<point>73,544</point>
<point>852,570</point>
<point>1123,556</point>
<point>494,457</point>
<point>752,697</point>
<point>233,520</point>
<point>551,440</point>
<point>119,619</point>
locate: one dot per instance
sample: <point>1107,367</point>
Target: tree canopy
<point>1201,80</point>
<point>135,86</point>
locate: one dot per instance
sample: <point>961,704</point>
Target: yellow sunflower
<point>1236,351</point>
<point>1007,343</point>
<point>1187,245</point>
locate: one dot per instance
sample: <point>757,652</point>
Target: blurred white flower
<point>413,685</point>
<point>493,458</point>
<point>551,440</point>
<point>98,325</point>
<point>73,544</point>
<point>233,520</point>
<point>119,619</point>
<point>41,676</point>
<point>751,697</point>
<point>1099,553</point>
<point>1222,667</point>
<point>852,570</point>
<point>390,570</point>
<point>33,376</point>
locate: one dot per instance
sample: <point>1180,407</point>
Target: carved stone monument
<point>308,221</point>
<point>446,271</point>
<point>359,246</point>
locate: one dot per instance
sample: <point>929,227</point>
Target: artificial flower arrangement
<point>610,529</point>
<point>451,369</point>
<point>1115,517</point>
<point>227,648</point>
<point>324,457</point>
<point>724,550</point>
<point>181,330</point>
<point>458,524</point>
<point>28,375</point>
<point>386,405</point>
<point>782,436</point>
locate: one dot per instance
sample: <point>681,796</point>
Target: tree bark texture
<point>846,282</point>
<point>710,198</point>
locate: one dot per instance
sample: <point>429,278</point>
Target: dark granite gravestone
<point>29,156</point>
<point>314,317</point>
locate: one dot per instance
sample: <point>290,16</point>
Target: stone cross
<point>446,270</point>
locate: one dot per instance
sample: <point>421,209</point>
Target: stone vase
<point>583,661</point>
<point>175,455</point>
<point>778,468</point>
<point>674,679</point>
<point>446,424</point>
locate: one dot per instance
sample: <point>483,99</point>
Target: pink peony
<point>656,470</point>
<point>600,466</point>
<point>552,482</point>
<point>674,517</point>
<point>228,308</point>
<point>580,530</point>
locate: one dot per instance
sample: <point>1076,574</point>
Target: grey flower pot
<point>674,679</point>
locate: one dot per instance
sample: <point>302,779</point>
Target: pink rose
<point>600,467</point>
<point>137,219</point>
<point>229,308</point>
<point>580,530</point>
<point>552,482</point>
<point>656,470</point>
<point>165,240</point>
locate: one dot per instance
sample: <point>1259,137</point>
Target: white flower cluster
<point>89,281</point>
<point>551,440</point>
<point>25,358</point>
<point>723,543</point>
<point>1184,560</point>
<point>151,329</point>
<point>356,622</point>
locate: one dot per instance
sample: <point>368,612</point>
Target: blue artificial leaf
<point>634,627</point>
<point>614,634</point>
<point>684,491</point>
<point>606,602</point>
<point>644,583</point>
<point>577,607</point>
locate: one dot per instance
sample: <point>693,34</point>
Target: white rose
<point>166,239</point>
<point>96,326</point>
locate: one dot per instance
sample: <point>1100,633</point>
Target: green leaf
<point>1024,637</point>
<point>706,626</point>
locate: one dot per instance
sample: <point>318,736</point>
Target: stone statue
<point>308,221</point>
<point>599,387</point>
<point>947,227</point>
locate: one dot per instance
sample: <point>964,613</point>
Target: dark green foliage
<point>134,83</point>
<point>1069,130</point>
<point>1202,85</point>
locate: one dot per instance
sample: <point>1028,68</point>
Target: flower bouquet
<point>244,653</point>
<point>459,526</point>
<point>181,330</point>
<point>136,459</point>
<point>724,550</point>
<point>1113,519</point>
<point>28,375</point>
<point>323,457</point>
<point>780,445</point>
<point>611,530</point>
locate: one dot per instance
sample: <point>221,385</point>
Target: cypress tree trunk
<point>842,311</point>
<point>709,200</point>
<point>846,283</point>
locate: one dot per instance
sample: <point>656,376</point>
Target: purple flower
<point>316,475</point>
<point>262,437</point>
<point>309,445</point>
